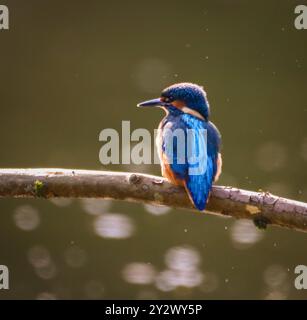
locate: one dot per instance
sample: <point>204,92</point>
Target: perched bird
<point>188,143</point>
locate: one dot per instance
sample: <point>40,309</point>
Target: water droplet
<point>26,218</point>
<point>96,206</point>
<point>114,225</point>
<point>244,234</point>
<point>182,258</point>
<point>139,273</point>
<point>39,256</point>
<point>157,210</point>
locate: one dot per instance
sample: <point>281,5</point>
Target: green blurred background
<point>72,68</point>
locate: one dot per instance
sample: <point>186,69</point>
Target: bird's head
<point>188,97</point>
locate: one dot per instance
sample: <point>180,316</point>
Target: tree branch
<point>263,208</point>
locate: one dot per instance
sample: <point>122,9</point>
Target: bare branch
<point>263,208</point>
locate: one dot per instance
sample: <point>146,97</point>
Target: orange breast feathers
<point>168,173</point>
<point>219,164</point>
<point>165,167</point>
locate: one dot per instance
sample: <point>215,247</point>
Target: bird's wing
<point>199,186</point>
<point>201,154</point>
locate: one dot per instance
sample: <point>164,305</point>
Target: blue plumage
<point>188,143</point>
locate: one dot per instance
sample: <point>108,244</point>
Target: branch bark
<point>262,208</point>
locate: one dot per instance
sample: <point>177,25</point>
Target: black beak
<point>151,103</point>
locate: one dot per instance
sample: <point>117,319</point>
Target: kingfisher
<point>188,143</point>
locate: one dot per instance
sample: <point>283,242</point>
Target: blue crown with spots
<point>193,96</point>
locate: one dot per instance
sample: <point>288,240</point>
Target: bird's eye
<point>167,99</point>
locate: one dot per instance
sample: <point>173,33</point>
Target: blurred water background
<point>72,68</point>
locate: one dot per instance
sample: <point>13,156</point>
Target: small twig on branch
<point>262,208</point>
